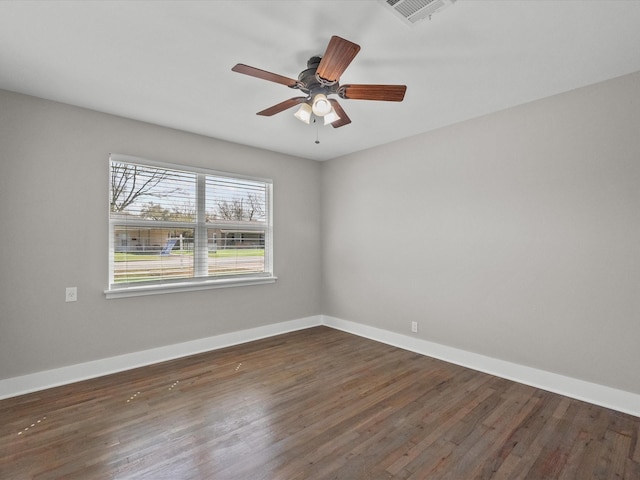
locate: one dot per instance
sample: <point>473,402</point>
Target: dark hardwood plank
<point>314,404</point>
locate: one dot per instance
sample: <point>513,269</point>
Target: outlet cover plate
<point>71,294</point>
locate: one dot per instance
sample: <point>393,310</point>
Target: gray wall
<point>53,215</point>
<point>515,235</point>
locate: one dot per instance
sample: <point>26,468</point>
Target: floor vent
<point>412,11</point>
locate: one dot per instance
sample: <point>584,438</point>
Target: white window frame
<point>115,290</point>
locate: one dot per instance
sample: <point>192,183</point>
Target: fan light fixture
<point>321,105</point>
<point>304,113</point>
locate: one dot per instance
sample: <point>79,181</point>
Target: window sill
<point>186,287</point>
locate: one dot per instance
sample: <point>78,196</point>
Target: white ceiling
<point>169,62</point>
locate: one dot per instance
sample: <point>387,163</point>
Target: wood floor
<point>314,404</point>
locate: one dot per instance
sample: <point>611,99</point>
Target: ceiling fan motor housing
<point>309,83</point>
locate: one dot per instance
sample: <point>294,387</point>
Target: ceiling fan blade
<point>336,59</point>
<point>388,93</point>
<point>344,119</point>
<point>282,106</point>
<point>263,74</point>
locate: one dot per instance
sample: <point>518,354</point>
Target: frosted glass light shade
<point>321,105</point>
<point>304,113</point>
<point>331,117</point>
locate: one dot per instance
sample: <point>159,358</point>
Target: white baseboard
<point>12,387</point>
<point>608,397</point>
<point>604,396</point>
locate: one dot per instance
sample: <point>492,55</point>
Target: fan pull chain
<point>317,141</point>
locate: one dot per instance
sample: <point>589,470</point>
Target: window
<point>174,228</point>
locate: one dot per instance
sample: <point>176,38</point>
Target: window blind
<point>171,224</point>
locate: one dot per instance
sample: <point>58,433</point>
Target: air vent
<point>412,11</point>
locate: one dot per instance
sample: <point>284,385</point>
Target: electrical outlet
<point>414,327</point>
<point>71,294</point>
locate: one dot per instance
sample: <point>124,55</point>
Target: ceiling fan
<point>321,79</point>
